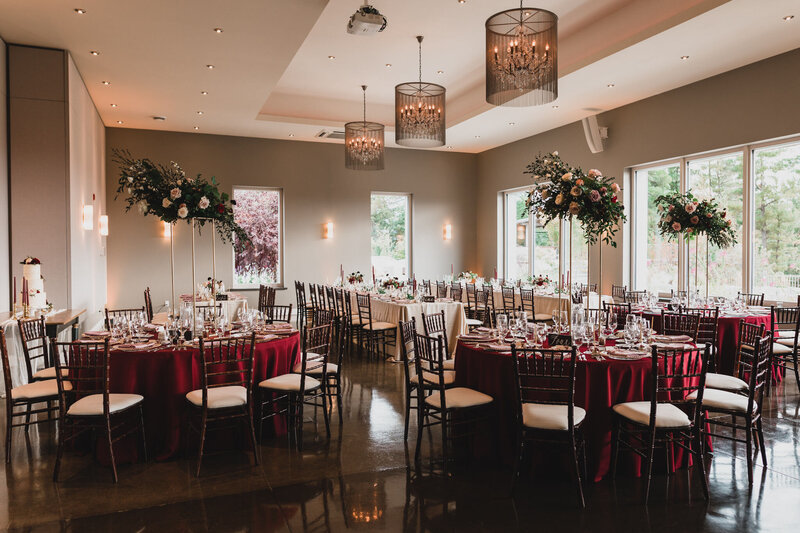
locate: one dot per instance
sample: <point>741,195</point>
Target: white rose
<point>166,203</point>
<point>555,153</point>
<point>183,211</point>
<point>567,176</point>
<point>203,203</point>
<point>175,193</point>
<point>143,207</point>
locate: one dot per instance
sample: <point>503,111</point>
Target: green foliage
<point>389,226</point>
<point>683,214</point>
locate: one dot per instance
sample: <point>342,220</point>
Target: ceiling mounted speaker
<point>594,134</point>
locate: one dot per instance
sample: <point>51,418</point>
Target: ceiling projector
<point>366,21</point>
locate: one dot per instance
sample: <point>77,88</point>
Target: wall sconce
<point>88,217</point>
<point>327,230</point>
<point>167,229</point>
<point>447,232</point>
<point>103,225</point>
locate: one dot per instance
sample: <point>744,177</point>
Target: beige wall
<point>317,189</point>
<point>752,103</point>
<point>87,184</point>
<point>5,286</point>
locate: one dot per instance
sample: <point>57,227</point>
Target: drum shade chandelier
<point>363,142</point>
<point>419,112</point>
<point>522,57</point>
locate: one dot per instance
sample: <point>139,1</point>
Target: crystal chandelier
<point>363,143</point>
<point>419,112</point>
<point>521,57</point>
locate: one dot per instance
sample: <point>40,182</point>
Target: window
<point>517,235</point>
<point>721,178</point>
<point>656,259</point>
<point>776,204</point>
<point>259,211</point>
<point>391,235</point>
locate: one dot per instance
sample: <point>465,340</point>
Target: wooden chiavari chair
<point>36,349</point>
<point>441,289</point>
<point>266,297</point>
<point>208,311</point>
<point>331,370</point>
<point>436,325</point>
<point>35,392</point>
<point>483,309</point>
<point>441,402</point>
<point>545,405</point>
<point>408,330</point>
<point>84,400</point>
<point>375,333</point>
<point>291,393</point>
<point>745,347</point>
<point>786,326</point>
<point>112,314</point>
<point>302,303</point>
<point>456,293</point>
<point>278,313</point>
<point>148,305</point>
<point>752,298</point>
<point>509,300</point>
<point>528,304</point>
<point>226,391</point>
<point>680,324</point>
<point>672,416</point>
<point>634,296</point>
<point>620,310</point>
<point>471,291</point>
<point>706,331</point>
<point>426,283</point>
<point>315,302</point>
<point>618,293</point>
<point>587,288</point>
<point>720,402</point>
<point>322,300</point>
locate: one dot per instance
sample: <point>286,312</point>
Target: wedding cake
<point>32,274</point>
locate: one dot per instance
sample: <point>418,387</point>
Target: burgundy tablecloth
<point>598,386</point>
<point>164,377</point>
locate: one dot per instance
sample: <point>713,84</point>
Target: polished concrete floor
<point>361,480</point>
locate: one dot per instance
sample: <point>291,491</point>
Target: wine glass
<point>563,320</point>
<point>502,324</point>
<point>578,339</point>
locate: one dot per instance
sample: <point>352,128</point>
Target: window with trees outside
<point>759,187</point>
<point>391,234</point>
<point>258,211</point>
<point>531,249</point>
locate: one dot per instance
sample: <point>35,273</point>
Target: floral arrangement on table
<point>540,281</point>
<point>685,214</point>
<point>212,287</point>
<point>564,192</point>
<point>392,283</point>
<point>468,276</point>
<point>355,277</point>
<point>169,194</point>
<point>30,261</point>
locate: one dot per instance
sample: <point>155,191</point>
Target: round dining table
<point>599,384</point>
<point>164,376</point>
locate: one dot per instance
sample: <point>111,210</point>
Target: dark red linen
<point>598,386</point>
<point>164,377</point>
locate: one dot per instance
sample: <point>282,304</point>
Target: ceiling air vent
<point>331,134</point>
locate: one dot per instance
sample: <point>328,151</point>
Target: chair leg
<point>761,443</point>
<point>325,414</point>
<point>749,444</point>
<point>27,417</point>
<point>202,444</point>
<point>9,421</point>
<point>577,471</point>
<point>111,451</point>
<point>252,431</point>
<point>796,371</point>
<point>144,440</point>
<point>299,420</point>
<point>444,442</point>
<point>700,457</point>
<point>515,472</point>
<point>408,414</point>
<point>339,397</point>
<point>420,425</point>
<point>649,465</point>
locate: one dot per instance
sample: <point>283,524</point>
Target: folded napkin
<point>618,353</point>
<point>137,346</point>
<point>672,338</point>
<point>483,329</point>
<point>497,347</point>
<point>98,333</point>
<point>264,338</point>
<point>674,346</point>
<point>468,337</point>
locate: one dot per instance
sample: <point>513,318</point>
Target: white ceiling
<point>273,79</point>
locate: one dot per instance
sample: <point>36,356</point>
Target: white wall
<point>87,184</point>
<point>5,285</point>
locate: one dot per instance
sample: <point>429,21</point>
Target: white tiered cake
<point>32,273</point>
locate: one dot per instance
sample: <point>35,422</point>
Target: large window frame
<point>748,208</point>
<point>409,240</point>
<point>279,282</point>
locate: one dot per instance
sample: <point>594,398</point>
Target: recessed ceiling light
<point>787,18</point>
<point>80,11</point>
<point>114,105</point>
<point>105,82</point>
<point>388,65</point>
<point>291,135</point>
<point>555,107</point>
<point>610,85</point>
<point>120,122</point>
<point>209,67</point>
<point>477,136</point>
<point>512,123</point>
<point>204,93</point>
<point>218,30</point>
<point>462,1</point>
<point>439,72</point>
<point>197,127</point>
<point>199,112</point>
<point>331,57</point>
<point>684,58</point>
<point>94,52</point>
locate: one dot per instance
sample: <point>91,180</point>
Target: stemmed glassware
<point>502,326</point>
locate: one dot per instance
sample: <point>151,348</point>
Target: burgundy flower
<point>220,209</point>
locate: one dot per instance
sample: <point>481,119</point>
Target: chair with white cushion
<point>85,402</point>
<point>708,319</point>
<point>546,410</point>
<point>529,306</point>
<point>408,331</point>
<point>673,415</point>
<point>746,407</point>
<point>435,324</point>
<point>35,348</point>
<point>737,382</point>
<point>376,335</point>
<point>786,324</point>
<point>332,369</point>
<point>35,392</point>
<point>291,393</point>
<point>441,402</point>
<point>226,392</point>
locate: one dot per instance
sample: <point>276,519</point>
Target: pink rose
<point>594,173</point>
<point>708,215</point>
<point>576,191</point>
<point>595,196</point>
<point>603,190</point>
<point>614,187</point>
<point>672,207</point>
<point>690,208</point>
<point>579,182</point>
<point>676,226</point>
<point>574,208</point>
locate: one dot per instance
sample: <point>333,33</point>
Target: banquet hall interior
<point>419,265</point>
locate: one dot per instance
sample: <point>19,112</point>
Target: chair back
<point>786,319</point>
<point>208,311</point>
<point>751,298</point>
<point>112,314</point>
<point>323,317</point>
<point>429,360</point>
<point>333,304</point>
<point>312,293</point>
<point>707,324</point>
<point>509,299</point>
<point>758,372</point>
<point>441,289</point>
<point>426,284</point>
<point>322,300</point>
<point>456,292</point>
<point>634,296</point>
<point>226,361</point>
<point>279,313</point>
<point>545,376</point>
<point>596,316</point>
<point>266,297</point>
<point>680,324</point>
<point>587,288</point>
<point>527,303</point>
<point>483,307</point>
<point>85,367</point>
<point>35,345</point>
<point>364,303</point>
<point>6,367</point>
<point>620,310</point>
<point>618,292</point>
<point>675,375</point>
<point>148,304</point>
<point>315,350</point>
<point>745,346</point>
<point>408,331</point>
<point>435,325</point>
<point>300,294</point>
<point>471,290</point>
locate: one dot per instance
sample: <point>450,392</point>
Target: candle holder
<point>26,311</point>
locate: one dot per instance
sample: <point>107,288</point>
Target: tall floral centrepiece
<point>166,192</point>
<point>684,214</point>
<point>564,192</point>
